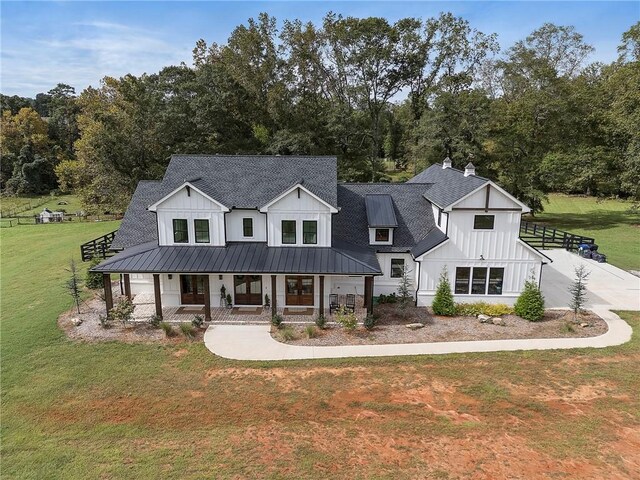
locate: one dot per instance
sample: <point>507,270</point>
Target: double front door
<point>299,290</point>
<point>192,289</point>
<point>248,289</point>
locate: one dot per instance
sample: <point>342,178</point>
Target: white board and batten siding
<point>304,207</point>
<point>234,224</point>
<point>182,205</point>
<point>499,247</point>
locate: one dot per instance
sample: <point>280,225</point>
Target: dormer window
<point>180,230</point>
<point>247,227</point>
<point>288,232</point>
<point>382,235</point>
<point>201,227</point>
<point>309,232</point>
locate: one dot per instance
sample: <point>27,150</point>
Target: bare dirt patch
<point>391,328</point>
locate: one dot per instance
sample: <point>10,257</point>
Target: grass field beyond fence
<point>613,224</point>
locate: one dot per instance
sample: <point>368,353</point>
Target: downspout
<point>419,264</point>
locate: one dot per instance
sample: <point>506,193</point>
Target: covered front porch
<point>251,298</point>
<point>145,308</point>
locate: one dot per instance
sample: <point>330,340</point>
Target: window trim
<point>469,289</point>
<point>493,222</point>
<point>195,229</point>
<point>304,238</point>
<point>295,228</point>
<point>186,229</point>
<point>391,275</point>
<point>244,235</point>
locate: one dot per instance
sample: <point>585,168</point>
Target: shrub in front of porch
<point>168,329</point>
<point>530,303</point>
<point>348,320</point>
<point>276,320</point>
<point>123,311</point>
<point>188,330</point>
<point>482,308</point>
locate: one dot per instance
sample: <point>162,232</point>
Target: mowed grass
<point>75,410</point>
<point>614,225</point>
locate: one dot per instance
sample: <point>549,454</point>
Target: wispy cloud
<point>82,54</point>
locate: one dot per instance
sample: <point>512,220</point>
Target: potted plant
<point>267,301</point>
<point>229,301</point>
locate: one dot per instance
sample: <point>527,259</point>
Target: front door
<point>248,289</point>
<point>299,290</point>
<point>192,289</point>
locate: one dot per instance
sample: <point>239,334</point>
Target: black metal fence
<point>98,247</point>
<point>541,236</point>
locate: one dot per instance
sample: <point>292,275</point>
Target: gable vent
<point>469,169</point>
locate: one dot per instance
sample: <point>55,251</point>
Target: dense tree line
<point>536,116</point>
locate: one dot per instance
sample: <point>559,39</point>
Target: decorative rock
<point>414,326</point>
<point>584,325</point>
<point>498,321</point>
<point>484,318</point>
<point>77,322</point>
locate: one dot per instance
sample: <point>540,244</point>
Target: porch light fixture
<point>482,257</point>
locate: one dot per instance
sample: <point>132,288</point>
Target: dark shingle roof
<point>413,214</point>
<point>138,225</point>
<point>380,211</point>
<point>445,186</point>
<point>242,257</point>
<point>434,238</point>
<point>251,181</point>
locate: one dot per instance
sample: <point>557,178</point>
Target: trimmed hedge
<point>477,308</point>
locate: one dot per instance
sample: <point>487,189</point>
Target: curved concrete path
<point>254,342</point>
<point>608,287</point>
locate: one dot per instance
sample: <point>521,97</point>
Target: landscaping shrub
<point>321,321</point>
<point>276,320</point>
<point>105,321</point>
<point>168,329</point>
<point>188,330</point>
<point>198,321</point>
<point>443,303</point>
<point>123,311</point>
<point>567,327</point>
<point>477,308</point>
<point>348,320</point>
<point>578,291</point>
<point>530,303</point>
<point>392,298</point>
<point>154,320</point>
<point>369,321</point>
<point>229,300</point>
<point>404,291</point>
<point>311,331</point>
<point>94,279</point>
<point>288,333</point>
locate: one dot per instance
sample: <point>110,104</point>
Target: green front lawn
<point>112,410</point>
<point>612,223</point>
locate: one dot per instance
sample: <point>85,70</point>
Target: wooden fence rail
<point>541,236</point>
<point>98,247</point>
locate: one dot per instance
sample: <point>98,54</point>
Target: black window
<point>496,276</point>
<point>397,267</point>
<point>463,275</point>
<point>288,232</point>
<point>202,230</point>
<point>247,227</point>
<point>483,222</point>
<point>180,231</point>
<point>309,232</point>
<point>479,281</point>
<point>382,234</point>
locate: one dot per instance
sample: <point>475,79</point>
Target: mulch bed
<point>90,329</point>
<point>391,328</point>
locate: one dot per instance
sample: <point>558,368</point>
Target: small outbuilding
<point>47,216</point>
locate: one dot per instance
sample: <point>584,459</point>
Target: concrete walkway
<point>608,288</point>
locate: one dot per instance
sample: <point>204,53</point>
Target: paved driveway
<point>607,286</point>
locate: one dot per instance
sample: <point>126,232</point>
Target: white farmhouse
<point>283,226</point>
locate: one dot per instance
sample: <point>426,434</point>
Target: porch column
<point>207,299</point>
<point>321,278</point>
<point>108,295</point>
<point>127,286</point>
<point>156,293</point>
<point>368,294</point>
<point>274,301</point>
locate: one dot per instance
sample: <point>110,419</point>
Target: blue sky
<point>78,43</point>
